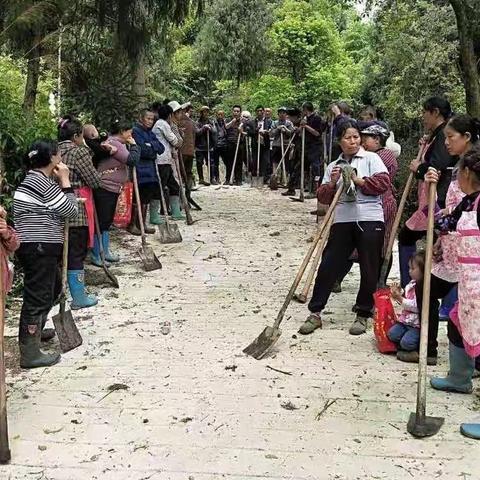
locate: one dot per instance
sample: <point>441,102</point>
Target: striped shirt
<point>40,208</point>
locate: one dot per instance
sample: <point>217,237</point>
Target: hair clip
<point>32,153</point>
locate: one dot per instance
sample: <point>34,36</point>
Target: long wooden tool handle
<point>162,195</point>
<point>208,157</point>
<point>302,168</point>
<point>330,141</point>
<point>282,160</point>
<point>139,206</point>
<point>183,196</point>
<point>422,363</point>
<point>4,444</point>
<point>287,150</point>
<point>307,258</point>
<point>393,234</point>
<point>63,294</point>
<point>235,158</point>
<point>316,260</point>
<point>258,155</point>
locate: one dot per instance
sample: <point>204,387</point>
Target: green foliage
<point>17,132</point>
<point>232,41</point>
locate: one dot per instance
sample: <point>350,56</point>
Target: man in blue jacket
<point>147,177</point>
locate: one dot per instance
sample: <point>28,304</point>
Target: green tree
<point>232,42</point>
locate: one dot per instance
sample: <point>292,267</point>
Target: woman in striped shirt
<point>40,208</point>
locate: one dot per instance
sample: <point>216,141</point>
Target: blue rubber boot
<point>470,430</point>
<point>76,283</point>
<point>109,256</point>
<point>459,378</point>
<point>447,304</point>
<point>95,253</point>
<point>405,253</point>
<point>175,206</point>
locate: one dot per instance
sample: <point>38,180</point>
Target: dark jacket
<point>438,157</point>
<point>222,133</point>
<point>252,128</point>
<point>150,147</point>
<point>201,135</point>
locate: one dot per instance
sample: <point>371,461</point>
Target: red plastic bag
<point>385,317</point>
<point>123,213</point>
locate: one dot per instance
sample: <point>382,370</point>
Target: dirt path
<point>189,405</point>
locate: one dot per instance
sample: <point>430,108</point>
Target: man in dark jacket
<point>259,131</point>
<point>221,148</point>
<point>147,177</point>
<point>205,139</point>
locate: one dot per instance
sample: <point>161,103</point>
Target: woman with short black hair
<point>358,224</point>
<point>41,206</point>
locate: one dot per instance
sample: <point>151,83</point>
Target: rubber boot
<point>147,228</point>
<point>109,256</point>
<point>470,430</point>
<point>47,333</point>
<point>133,228</point>
<point>30,354</point>
<point>175,207</point>
<point>155,218</point>
<point>459,378</point>
<point>405,253</point>
<point>95,252</point>
<point>447,304</point>
<point>76,284</point>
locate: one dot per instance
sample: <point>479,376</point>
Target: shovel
<point>168,232</point>
<point>67,332</point>
<point>302,297</point>
<point>183,197</point>
<point>108,273</point>
<point>302,172</point>
<point>257,180</point>
<point>146,253</point>
<point>5,455</point>
<point>232,175</point>
<point>270,335</point>
<point>419,424</point>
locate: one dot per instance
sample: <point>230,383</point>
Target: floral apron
<point>448,268</point>
<point>466,312</point>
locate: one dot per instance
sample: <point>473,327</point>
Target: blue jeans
<point>407,337</point>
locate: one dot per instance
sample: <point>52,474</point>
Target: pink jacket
<point>10,243</point>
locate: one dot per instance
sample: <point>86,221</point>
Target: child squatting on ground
<point>406,331</point>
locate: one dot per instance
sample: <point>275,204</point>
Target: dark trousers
<point>201,158</point>
<point>168,181</point>
<point>105,205</point>
<point>367,238</point>
<point>77,247</point>
<point>41,287</point>
<point>264,160</point>
<point>148,192</point>
<point>220,153</point>
<point>438,289</point>
<point>188,163</point>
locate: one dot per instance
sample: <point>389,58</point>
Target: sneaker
<point>412,357</point>
<point>359,326</point>
<point>312,322</point>
<point>288,193</point>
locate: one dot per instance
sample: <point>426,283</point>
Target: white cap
<point>186,105</point>
<point>175,106</point>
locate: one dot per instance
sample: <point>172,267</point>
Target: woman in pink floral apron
<point>461,134</point>
<point>436,112</point>
<point>464,326</point>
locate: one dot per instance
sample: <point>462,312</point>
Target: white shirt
<point>165,135</point>
<point>366,208</point>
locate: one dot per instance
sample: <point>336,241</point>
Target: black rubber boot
<point>133,228</point>
<point>30,354</point>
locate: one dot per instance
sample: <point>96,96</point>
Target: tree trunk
<point>33,74</point>
<point>139,87</point>
<point>467,55</point>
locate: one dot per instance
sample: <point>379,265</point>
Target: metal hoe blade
<point>149,259</point>
<point>67,331</point>
<point>263,343</point>
<point>423,427</point>
<point>257,182</point>
<point>169,233</point>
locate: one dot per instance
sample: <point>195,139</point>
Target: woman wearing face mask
<point>41,205</point>
<point>464,326</point>
<point>358,224</point>
<point>462,135</point>
<point>83,178</point>
<point>114,172</point>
